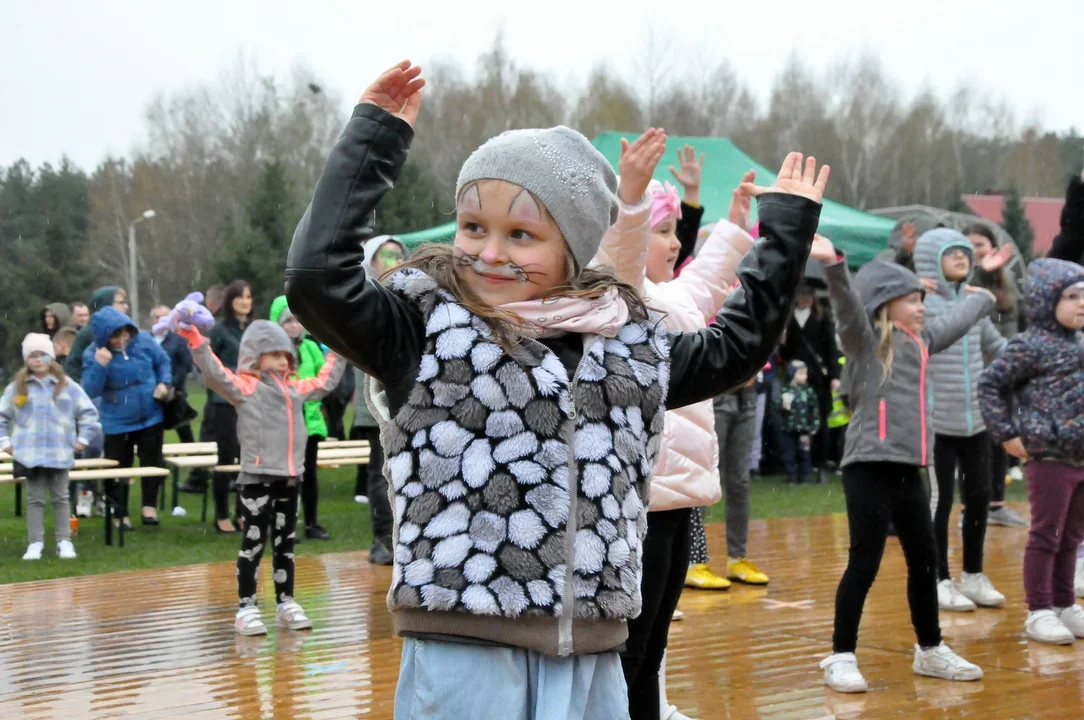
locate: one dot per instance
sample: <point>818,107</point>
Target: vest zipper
<point>568,595</point>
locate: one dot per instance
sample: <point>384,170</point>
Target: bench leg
<point>108,516</point>
<point>18,499</point>
<point>161,493</point>
<point>124,494</point>
<point>203,511</point>
<point>176,475</point>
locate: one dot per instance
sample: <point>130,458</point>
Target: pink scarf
<point>559,315</point>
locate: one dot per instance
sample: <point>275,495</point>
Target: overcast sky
<point>77,75</point>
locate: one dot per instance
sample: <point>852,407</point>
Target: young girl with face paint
<point>521,396</point>
<point>642,248</point>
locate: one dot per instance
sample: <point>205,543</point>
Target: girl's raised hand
<point>741,202</point>
<point>822,250</point>
<point>997,259</point>
<point>980,291</point>
<point>928,284</point>
<point>691,169</point>
<point>398,91</point>
<point>796,178</point>
<point>637,164</point>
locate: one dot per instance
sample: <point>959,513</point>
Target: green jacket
<point>310,358</point>
<point>803,417</point>
<point>73,366</point>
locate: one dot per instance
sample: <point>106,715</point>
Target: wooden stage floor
<point>159,644</point>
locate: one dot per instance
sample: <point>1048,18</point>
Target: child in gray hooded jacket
<point>271,430</point>
<point>887,344</point>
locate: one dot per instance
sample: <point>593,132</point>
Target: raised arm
<point>708,278</point>
<point>1017,364</point>
<point>945,328</point>
<point>326,285</point>
<point>689,172</point>
<point>852,323</point>
<point>325,382</point>
<point>233,387</point>
<point>739,342</point>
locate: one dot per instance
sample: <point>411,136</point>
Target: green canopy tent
<point>858,234</point>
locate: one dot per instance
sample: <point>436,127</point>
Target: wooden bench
<point>7,468</point>
<point>105,473</point>
<point>356,454</point>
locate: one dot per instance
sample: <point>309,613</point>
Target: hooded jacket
<point>954,373</point>
<point>1035,389</point>
<point>270,420</point>
<point>687,471</point>
<point>310,359</point>
<point>891,416</point>
<point>61,312</point>
<point>73,366</point>
<point>126,385</point>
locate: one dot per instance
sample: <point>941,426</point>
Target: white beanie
<point>37,342</point>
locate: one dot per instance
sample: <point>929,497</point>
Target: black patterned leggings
<point>268,510</point>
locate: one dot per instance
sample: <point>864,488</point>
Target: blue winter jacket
<point>1035,389</point>
<point>126,385</point>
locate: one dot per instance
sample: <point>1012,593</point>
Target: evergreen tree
<point>1015,222</point>
<point>413,204</point>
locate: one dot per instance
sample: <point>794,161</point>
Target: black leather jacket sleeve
<point>688,227</point>
<point>326,284</point>
<point>738,343</point>
<point>1069,242</point>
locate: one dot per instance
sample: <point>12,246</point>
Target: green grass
<point>185,541</point>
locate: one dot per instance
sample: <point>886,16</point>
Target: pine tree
<point>1015,222</point>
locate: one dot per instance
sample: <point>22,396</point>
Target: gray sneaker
<point>379,554</point>
<point>1005,516</point>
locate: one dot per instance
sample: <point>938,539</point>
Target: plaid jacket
<point>41,431</point>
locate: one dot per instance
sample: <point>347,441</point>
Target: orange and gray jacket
<point>270,421</point>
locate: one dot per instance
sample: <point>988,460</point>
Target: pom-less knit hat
<point>563,170</point>
<point>37,342</point>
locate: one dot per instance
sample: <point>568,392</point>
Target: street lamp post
<point>133,276</point>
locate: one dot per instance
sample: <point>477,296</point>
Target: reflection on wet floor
<point>160,644</point>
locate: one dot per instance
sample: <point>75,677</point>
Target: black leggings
<point>229,453</point>
<point>122,449</point>
<point>971,456</point>
<point>310,491</point>
<point>269,513</point>
<point>666,560</point>
<point>372,483</point>
<point>999,466</point>
<point>876,494</point>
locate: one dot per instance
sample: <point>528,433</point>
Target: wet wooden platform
<point>159,644</point>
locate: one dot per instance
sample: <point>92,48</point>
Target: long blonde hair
<point>885,349</point>
<point>438,262</point>
<point>23,376</point>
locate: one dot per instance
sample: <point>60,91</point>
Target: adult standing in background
<point>102,297</point>
<point>80,315</point>
<point>180,360</point>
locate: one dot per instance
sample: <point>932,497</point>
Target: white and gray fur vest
<point>511,499</point>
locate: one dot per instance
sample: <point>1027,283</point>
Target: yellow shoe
<point>700,576</point>
<point>744,571</point>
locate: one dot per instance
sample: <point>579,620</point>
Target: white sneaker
<point>978,589</point>
<point>940,662</point>
<point>1072,618</point>
<point>1016,474</point>
<point>949,598</point>
<point>361,500</point>
<point>248,622</point>
<point>842,675</point>
<point>84,504</point>
<point>1079,577</point>
<point>65,550</point>
<point>1046,627</point>
<point>33,551</point>
<point>292,617</point>
<point>1005,516</point>
<point>672,713</point>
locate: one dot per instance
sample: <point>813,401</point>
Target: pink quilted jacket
<point>687,474</point>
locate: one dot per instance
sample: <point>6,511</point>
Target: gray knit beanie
<point>564,171</point>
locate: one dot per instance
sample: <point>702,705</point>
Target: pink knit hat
<point>665,202</point>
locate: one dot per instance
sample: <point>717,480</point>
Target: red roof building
<point>1044,214</point>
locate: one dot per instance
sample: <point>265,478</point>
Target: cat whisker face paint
<point>480,266</point>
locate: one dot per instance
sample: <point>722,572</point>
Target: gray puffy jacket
<point>891,416</point>
<point>954,373</point>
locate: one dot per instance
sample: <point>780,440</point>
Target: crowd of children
<point>553,399</point>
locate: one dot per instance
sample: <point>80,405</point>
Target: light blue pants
<point>455,681</point>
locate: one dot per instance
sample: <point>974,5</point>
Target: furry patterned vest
<point>520,495</point>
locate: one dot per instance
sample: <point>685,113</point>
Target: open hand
<point>822,250</point>
<point>103,356</point>
<point>741,202</point>
<point>691,169</point>
<point>997,259</point>
<point>928,284</point>
<point>637,164</point>
<point>161,391</point>
<point>398,91</point>
<point>796,178</point>
<point>980,291</point>
<point>1015,447</point>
